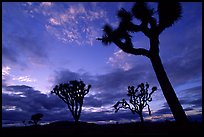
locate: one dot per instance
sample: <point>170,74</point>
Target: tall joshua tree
<point>72,94</point>
<point>168,14</point>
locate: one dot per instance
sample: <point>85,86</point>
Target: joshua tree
<point>139,97</point>
<point>168,14</point>
<point>72,94</point>
<point>36,118</point>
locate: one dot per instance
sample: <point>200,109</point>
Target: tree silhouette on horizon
<point>72,93</point>
<point>151,27</point>
<point>139,98</point>
<point>35,118</point>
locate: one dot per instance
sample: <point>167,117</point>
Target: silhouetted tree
<point>24,122</point>
<point>168,14</point>
<point>139,98</point>
<point>72,94</point>
<point>36,118</point>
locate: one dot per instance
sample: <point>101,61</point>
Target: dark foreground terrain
<point>69,128</point>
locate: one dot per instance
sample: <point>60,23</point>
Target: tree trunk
<point>141,117</point>
<point>168,90</point>
<point>76,120</point>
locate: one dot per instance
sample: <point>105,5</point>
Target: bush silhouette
<point>24,122</point>
<point>168,14</point>
<point>35,118</point>
<point>139,98</point>
<point>72,93</point>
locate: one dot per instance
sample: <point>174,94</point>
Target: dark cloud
<point>65,76</point>
<point>192,96</point>
<point>190,105</point>
<point>188,109</point>
<point>107,88</point>
<point>194,92</point>
<point>122,79</point>
<point>181,70</point>
<point>181,47</point>
<point>23,49</point>
<point>197,102</point>
<point>110,115</point>
<point>54,109</point>
<point>183,61</point>
<point>164,110</point>
<point>92,101</point>
<point>112,87</point>
<point>190,99</point>
<point>29,101</point>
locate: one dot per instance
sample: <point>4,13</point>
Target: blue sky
<point>46,43</point>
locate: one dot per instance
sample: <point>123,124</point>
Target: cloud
<point>108,116</point>
<point>184,69</point>
<point>164,110</point>
<point>183,61</point>
<point>109,88</point>
<point>24,79</point>
<point>5,75</point>
<point>120,60</point>
<point>5,72</point>
<point>46,4</point>
<point>23,101</point>
<point>93,102</point>
<point>54,21</point>
<point>8,76</point>
<point>106,89</point>
<point>73,23</point>
<point>11,108</point>
<point>193,92</point>
<point>33,101</point>
<point>191,101</point>
<point>110,83</point>
<point>16,107</point>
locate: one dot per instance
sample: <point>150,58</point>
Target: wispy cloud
<point>54,21</point>
<point>11,108</point>
<point>5,75</point>
<point>46,4</point>
<point>5,72</point>
<point>24,79</point>
<point>120,60</point>
<point>74,23</point>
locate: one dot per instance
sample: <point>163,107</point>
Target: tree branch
<point>131,50</point>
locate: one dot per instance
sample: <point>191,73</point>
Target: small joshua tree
<point>35,118</point>
<point>139,98</point>
<point>72,94</point>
